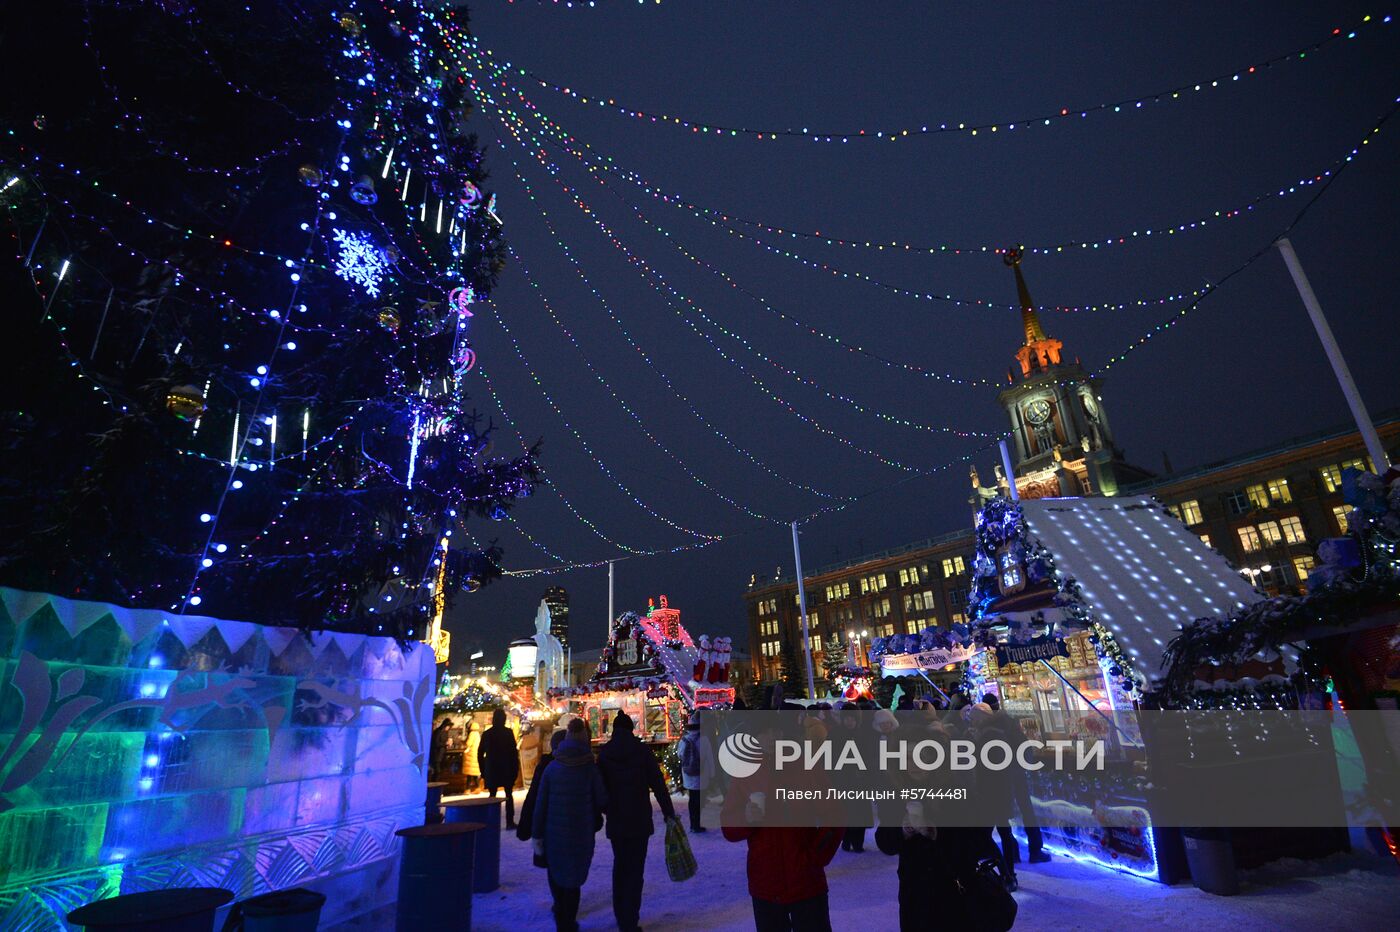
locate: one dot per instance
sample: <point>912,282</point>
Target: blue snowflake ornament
<point>360,260</point>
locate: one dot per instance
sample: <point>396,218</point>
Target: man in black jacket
<point>1020,785</point>
<point>499,760</point>
<point>630,772</point>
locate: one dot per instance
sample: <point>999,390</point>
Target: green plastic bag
<point>680,861</point>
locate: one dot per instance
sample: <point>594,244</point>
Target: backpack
<point>690,757</point>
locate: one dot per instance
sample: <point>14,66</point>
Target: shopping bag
<point>680,861</point>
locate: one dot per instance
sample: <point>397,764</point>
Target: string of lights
<point>587,447</point>
<point>622,402</point>
<point>573,510</point>
<point>666,379</point>
<point>791,373</point>
<point>674,301</point>
<point>1198,222</point>
<point>1061,115</point>
<point>1181,313</point>
<point>843,273</point>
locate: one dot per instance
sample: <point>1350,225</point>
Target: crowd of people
<point>577,792</point>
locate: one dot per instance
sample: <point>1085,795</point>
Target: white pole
<point>608,630</point>
<point>802,607</point>
<point>1334,356</point>
<point>1010,473</point>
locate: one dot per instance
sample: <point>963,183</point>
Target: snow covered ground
<point>1356,892</point>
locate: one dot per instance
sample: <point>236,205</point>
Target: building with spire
<point>1062,443</point>
<point>1264,510</point>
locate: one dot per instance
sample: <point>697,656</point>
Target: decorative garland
<point>1359,573</point>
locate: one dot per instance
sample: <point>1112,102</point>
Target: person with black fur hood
<point>630,774</point>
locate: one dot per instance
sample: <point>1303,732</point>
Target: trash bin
<point>294,910</point>
<point>486,863</point>
<point>435,876</point>
<point>182,909</point>
<point>1210,855</point>
<point>432,805</point>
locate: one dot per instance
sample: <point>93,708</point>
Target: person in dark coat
<point>630,774</point>
<point>994,788</point>
<point>527,812</point>
<point>499,760</point>
<point>570,801</point>
<point>1020,787</point>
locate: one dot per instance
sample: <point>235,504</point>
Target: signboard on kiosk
<point>1041,648</point>
<point>902,664</point>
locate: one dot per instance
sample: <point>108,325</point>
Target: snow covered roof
<point>1143,573</point>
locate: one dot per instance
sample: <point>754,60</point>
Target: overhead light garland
<point>952,127</point>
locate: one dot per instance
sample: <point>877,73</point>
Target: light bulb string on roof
<point>791,373</point>
<point>583,442</point>
<point>951,126</point>
<point>665,378</point>
<point>1181,313</point>
<point>722,217</point>
<point>622,402</point>
<point>674,299</point>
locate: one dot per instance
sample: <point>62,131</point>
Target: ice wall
<point>141,749</point>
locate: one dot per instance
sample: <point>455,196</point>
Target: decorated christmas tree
<point>247,245</point>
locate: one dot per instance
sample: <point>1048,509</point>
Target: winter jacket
<point>700,781</point>
<point>525,825</point>
<point>995,788</point>
<point>571,796</point>
<point>630,771</point>
<point>497,757</point>
<point>929,870</point>
<point>784,865</point>
<point>530,748</point>
<point>471,766</point>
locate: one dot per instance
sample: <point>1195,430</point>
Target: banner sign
<point>903,664</point>
<point>1043,648</point>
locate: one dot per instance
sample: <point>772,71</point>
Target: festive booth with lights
<point>1074,601</point>
<point>655,672</point>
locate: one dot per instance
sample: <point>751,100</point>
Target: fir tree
<point>248,240</point>
<point>792,671</point>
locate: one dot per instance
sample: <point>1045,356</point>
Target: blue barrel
<point>436,861</point>
<point>294,910</point>
<point>432,804</point>
<point>487,866</point>
<point>183,909</point>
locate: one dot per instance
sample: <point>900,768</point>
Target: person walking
<point>697,769</point>
<point>568,813</point>
<point>499,761</point>
<point>532,744</point>
<point>1020,787</point>
<point>525,827</point>
<point>630,774</point>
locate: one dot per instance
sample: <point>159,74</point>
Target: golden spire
<point>1030,322</point>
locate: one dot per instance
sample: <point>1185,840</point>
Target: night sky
<point>1241,371</point>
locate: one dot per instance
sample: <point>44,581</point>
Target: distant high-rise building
<point>557,598</point>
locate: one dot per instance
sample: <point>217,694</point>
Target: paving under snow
<point>1356,892</point>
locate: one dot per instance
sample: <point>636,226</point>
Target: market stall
<point>1073,601</point>
<point>652,670</point>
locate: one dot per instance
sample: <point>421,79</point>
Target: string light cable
<point>1369,25</point>
<point>1187,308</point>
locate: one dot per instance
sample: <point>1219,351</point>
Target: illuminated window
<point>769,648</point>
<point>1278,491</point>
<point>1293,530</point>
<point>959,618</point>
<point>1249,539</point>
<point>1303,566</point>
<point>913,575</point>
<point>1238,502</point>
<point>1339,514</point>
<point>876,583</point>
<point>881,609</point>
<point>953,566</point>
<point>1188,512</point>
<point>816,643</point>
<point>1258,495</point>
<point>884,631</point>
<point>1331,476</point>
<point>1270,533</point>
<point>912,625</point>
